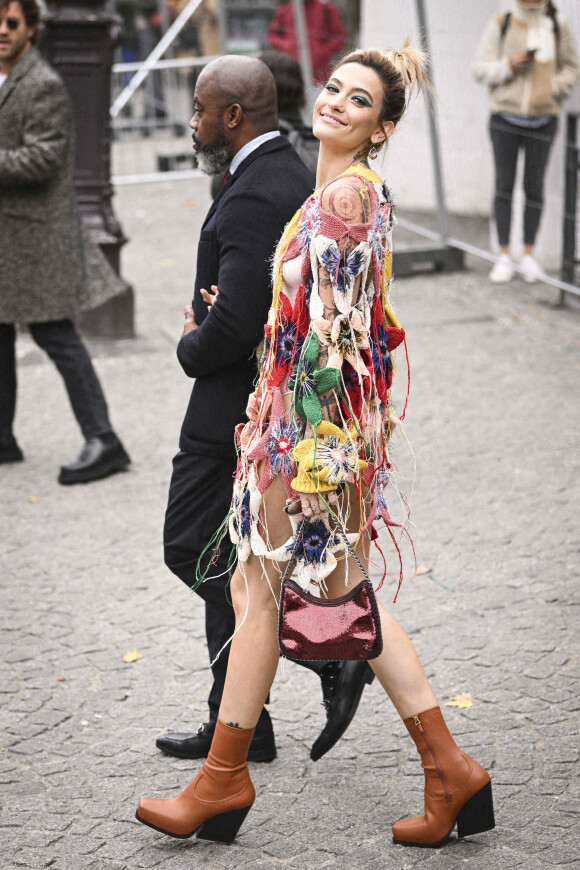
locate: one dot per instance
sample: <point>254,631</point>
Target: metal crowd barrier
<point>150,132</point>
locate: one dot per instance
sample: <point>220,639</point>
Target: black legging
<point>59,339</point>
<point>507,139</point>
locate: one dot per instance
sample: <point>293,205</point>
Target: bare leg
<point>399,670</point>
<point>254,654</point>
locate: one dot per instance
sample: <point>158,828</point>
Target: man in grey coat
<point>42,254</point>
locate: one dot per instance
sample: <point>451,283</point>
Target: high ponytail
<point>401,73</point>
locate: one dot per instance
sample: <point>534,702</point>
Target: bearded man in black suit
<point>235,126</point>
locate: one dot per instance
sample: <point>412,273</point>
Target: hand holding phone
<point>521,62</point>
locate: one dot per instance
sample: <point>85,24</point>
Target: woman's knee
<point>534,193</point>
<point>252,591</point>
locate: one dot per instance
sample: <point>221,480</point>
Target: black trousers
<point>200,493</point>
<point>507,140</point>
<point>60,340</point>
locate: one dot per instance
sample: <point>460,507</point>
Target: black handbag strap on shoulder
<point>504,26</point>
<point>508,17</point>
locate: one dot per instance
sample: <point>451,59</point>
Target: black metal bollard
<point>572,169</point>
<point>78,42</point>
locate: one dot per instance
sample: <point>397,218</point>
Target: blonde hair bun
<point>410,63</point>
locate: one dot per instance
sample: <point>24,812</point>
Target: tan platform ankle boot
<point>217,801</point>
<point>457,788</point>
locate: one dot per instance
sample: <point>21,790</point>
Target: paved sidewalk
<point>493,422</point>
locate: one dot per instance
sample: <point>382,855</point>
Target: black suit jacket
<point>235,252</point>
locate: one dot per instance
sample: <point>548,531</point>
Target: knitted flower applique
<point>314,541</point>
<point>324,463</point>
<point>307,382</point>
<point>241,523</point>
<point>342,268</point>
<point>288,343</point>
<point>309,225</point>
<point>379,231</point>
<point>276,445</point>
<point>287,336</point>
<point>244,522</point>
<point>382,362</point>
<point>340,459</point>
<point>346,336</point>
<point>315,557</point>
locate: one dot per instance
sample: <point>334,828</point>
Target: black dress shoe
<point>341,703</point>
<point>262,747</point>
<point>9,449</point>
<point>100,457</point>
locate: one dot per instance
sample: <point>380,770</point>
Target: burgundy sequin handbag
<point>325,629</point>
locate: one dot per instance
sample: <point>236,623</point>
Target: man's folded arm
<point>248,230</point>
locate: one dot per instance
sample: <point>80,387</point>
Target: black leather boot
<point>341,696</point>
<point>9,449</point>
<point>100,457</point>
<point>186,745</point>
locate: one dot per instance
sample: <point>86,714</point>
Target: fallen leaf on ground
<point>132,656</point>
<point>463,700</point>
<point>422,569</point>
<point>33,499</point>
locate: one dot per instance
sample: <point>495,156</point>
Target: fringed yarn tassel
<point>402,417</point>
<point>213,544</point>
<point>400,555</point>
<point>384,566</point>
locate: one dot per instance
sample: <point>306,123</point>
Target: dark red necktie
<point>227,176</point>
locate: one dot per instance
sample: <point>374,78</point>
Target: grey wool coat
<point>46,256</point>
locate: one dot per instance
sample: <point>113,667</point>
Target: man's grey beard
<point>213,159</point>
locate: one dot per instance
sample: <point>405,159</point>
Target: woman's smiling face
<point>346,112</point>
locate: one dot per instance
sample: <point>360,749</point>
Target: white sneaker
<point>532,270</point>
<point>503,271</point>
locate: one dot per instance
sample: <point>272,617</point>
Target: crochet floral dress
<point>292,439</point>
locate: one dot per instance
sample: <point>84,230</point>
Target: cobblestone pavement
<point>493,422</point>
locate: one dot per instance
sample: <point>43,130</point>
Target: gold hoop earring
<point>375,150</point>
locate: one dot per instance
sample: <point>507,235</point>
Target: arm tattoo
<point>329,406</point>
<point>233,724</point>
<point>323,357</point>
<point>349,202</point>
<point>330,312</point>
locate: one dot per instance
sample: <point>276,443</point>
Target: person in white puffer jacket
<point>528,60</point>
